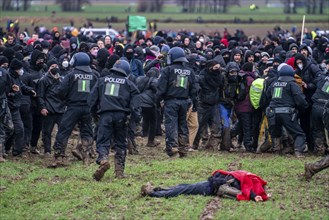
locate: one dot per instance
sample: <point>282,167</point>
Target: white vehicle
<point>99,31</point>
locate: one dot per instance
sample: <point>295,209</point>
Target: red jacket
<point>248,181</point>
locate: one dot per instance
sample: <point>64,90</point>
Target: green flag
<point>136,23</point>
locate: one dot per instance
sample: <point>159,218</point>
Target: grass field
<point>29,190</point>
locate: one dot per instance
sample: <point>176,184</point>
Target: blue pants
<point>200,188</point>
<point>225,115</point>
<point>112,124</point>
<point>175,123</point>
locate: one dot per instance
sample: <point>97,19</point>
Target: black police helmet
<point>176,54</point>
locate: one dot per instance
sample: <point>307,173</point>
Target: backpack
<point>241,91</point>
<point>257,93</point>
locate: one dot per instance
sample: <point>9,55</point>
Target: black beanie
<point>3,60</point>
<point>111,61</point>
<point>51,62</point>
<point>16,64</point>
<point>247,67</point>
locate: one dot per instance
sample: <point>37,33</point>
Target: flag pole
<point>302,34</point>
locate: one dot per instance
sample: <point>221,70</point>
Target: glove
<point>195,106</point>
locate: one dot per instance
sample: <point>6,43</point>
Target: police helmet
<point>176,54</point>
<point>122,66</point>
<point>81,61</point>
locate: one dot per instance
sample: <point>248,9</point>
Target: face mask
<point>20,72</point>
<point>108,46</point>
<point>217,52</point>
<point>94,53</point>
<point>55,72</point>
<point>65,64</point>
<point>300,66</point>
<point>226,59</point>
<point>74,46</point>
<point>232,79</point>
<point>40,65</point>
<point>45,51</point>
<point>129,55</point>
<point>208,56</point>
<point>275,67</point>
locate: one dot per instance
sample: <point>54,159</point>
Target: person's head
<point>35,36</point>
<point>10,38</point>
<point>305,50</point>
<point>53,68</point>
<point>300,61</point>
<point>81,61</point>
<point>16,67</point>
<point>232,69</point>
<point>265,56</point>
<point>176,54</point>
<point>213,66</point>
<point>122,67</point>
<point>4,63</point>
<point>286,70</point>
<point>108,41</point>
<point>198,45</point>
<point>100,44</point>
<point>187,41</point>
<point>93,49</point>
<point>22,36</point>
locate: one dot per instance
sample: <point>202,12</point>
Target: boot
<point>147,189</point>
<point>320,147</point>
<point>104,165</point>
<point>92,152</point>
<point>277,147</point>
<point>228,191</point>
<point>213,143</point>
<point>34,150</point>
<point>226,142</point>
<point>264,147</point>
<point>85,145</point>
<point>152,143</point>
<point>2,160</point>
<point>119,170</point>
<point>287,148</point>
<point>313,168</point>
<point>132,147</point>
<point>77,152</point>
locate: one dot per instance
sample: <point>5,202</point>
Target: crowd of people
<point>221,92</point>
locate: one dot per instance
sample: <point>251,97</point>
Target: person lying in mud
<point>240,185</point>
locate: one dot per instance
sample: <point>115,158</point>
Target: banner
<point>136,23</point>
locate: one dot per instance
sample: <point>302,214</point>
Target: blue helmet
<point>176,54</point>
<point>81,61</point>
<point>122,66</point>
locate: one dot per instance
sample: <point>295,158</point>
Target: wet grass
<point>29,190</point>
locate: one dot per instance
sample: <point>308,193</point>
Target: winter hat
<point>3,60</point>
<point>122,66</point>
<point>247,67</point>
<point>111,61</point>
<point>9,53</point>
<point>269,62</point>
<point>232,66</point>
<point>16,64</point>
<point>265,54</point>
<point>51,62</point>
<point>277,60</point>
<point>286,70</point>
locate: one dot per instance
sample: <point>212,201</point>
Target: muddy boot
<point>2,160</point>
<point>57,161</point>
<point>213,143</point>
<point>277,147</point>
<point>313,168</point>
<point>147,189</point>
<point>152,143</point>
<point>264,147</point>
<point>85,145</point>
<point>228,191</point>
<point>287,148</point>
<point>226,141</point>
<point>92,152</point>
<point>104,165</point>
<point>119,170</point>
<point>132,147</point>
<point>320,147</point>
<point>77,151</point>
<point>34,150</point>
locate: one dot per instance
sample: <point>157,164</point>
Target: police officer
<point>320,97</point>
<point>176,85</point>
<point>74,90</point>
<point>113,97</point>
<point>286,98</point>
<point>51,106</point>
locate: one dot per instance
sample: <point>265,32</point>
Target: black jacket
<point>210,84</point>
<point>285,92</point>
<point>321,94</point>
<point>76,86</point>
<point>147,87</point>
<point>113,93</point>
<point>15,98</point>
<point>176,81</point>
<point>47,97</point>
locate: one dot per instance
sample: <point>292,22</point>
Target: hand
<point>258,199</point>
<point>160,57</point>
<point>34,94</point>
<point>15,88</point>
<point>304,84</point>
<point>44,112</point>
